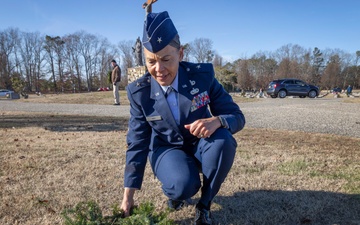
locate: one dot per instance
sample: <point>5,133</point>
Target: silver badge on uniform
<point>194,91</point>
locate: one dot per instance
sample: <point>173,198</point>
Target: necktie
<point>171,98</point>
<point>170,89</point>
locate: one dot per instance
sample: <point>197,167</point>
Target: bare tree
<point>38,60</point>
<point>126,54</point>
<point>332,73</point>
<point>347,73</point>
<point>72,59</point>
<point>305,68</point>
<point>8,41</point>
<point>82,59</point>
<point>126,51</point>
<point>290,57</point>
<point>52,48</point>
<point>357,76</point>
<point>262,68</point>
<point>89,49</point>
<point>107,52</point>
<point>244,78</point>
<point>317,66</point>
<point>201,50</point>
<point>59,52</point>
<point>217,60</point>
<point>32,58</point>
<point>187,51</point>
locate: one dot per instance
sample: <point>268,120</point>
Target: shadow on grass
<point>287,207</point>
<point>65,123</point>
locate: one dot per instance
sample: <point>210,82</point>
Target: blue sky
<point>238,28</point>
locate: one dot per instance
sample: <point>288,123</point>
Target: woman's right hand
<point>128,201</point>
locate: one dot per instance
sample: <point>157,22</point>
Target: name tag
<point>153,118</point>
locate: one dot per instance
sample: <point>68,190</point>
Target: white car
<point>4,93</point>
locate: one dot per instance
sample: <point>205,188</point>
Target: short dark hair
<point>175,42</point>
<point>113,61</point>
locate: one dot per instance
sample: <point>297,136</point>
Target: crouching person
<point>182,120</point>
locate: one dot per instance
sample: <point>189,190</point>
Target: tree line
<point>326,68</point>
<point>80,62</point>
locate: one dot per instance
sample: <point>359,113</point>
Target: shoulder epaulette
<point>140,83</point>
<point>197,67</point>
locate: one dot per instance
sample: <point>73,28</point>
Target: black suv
<point>291,87</point>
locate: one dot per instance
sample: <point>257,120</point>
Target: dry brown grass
<point>99,98</point>
<point>106,98</point>
<point>51,162</point>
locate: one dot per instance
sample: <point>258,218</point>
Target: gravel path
<point>310,115</point>
<point>330,116</point>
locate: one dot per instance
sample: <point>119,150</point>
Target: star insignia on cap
<point>159,40</point>
<point>198,66</point>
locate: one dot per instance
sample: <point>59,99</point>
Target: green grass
<point>89,213</point>
<point>293,167</point>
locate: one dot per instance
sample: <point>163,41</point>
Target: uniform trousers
<point>179,170</point>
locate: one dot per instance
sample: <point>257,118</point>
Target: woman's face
<point>164,64</point>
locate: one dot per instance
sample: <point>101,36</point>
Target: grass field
<point>52,162</point>
<point>105,98</point>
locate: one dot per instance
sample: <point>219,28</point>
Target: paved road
<point>309,115</point>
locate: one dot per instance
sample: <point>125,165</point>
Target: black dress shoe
<point>116,103</point>
<point>175,204</point>
<point>202,217</point>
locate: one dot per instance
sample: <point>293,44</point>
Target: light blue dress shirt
<point>173,99</point>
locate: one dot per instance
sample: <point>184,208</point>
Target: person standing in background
<point>348,90</point>
<point>116,78</point>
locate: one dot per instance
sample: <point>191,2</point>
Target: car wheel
<point>282,94</point>
<point>312,94</point>
<point>273,96</point>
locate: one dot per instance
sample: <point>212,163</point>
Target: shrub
<point>89,213</point>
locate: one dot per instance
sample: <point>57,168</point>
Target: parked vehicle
<point>4,93</point>
<point>336,90</point>
<point>291,87</point>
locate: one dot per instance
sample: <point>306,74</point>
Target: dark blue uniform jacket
<point>152,125</point>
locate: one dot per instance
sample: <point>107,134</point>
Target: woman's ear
<point>181,53</point>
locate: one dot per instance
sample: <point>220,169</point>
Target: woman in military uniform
<point>182,120</point>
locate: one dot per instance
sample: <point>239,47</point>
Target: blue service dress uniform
<point>176,156</point>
